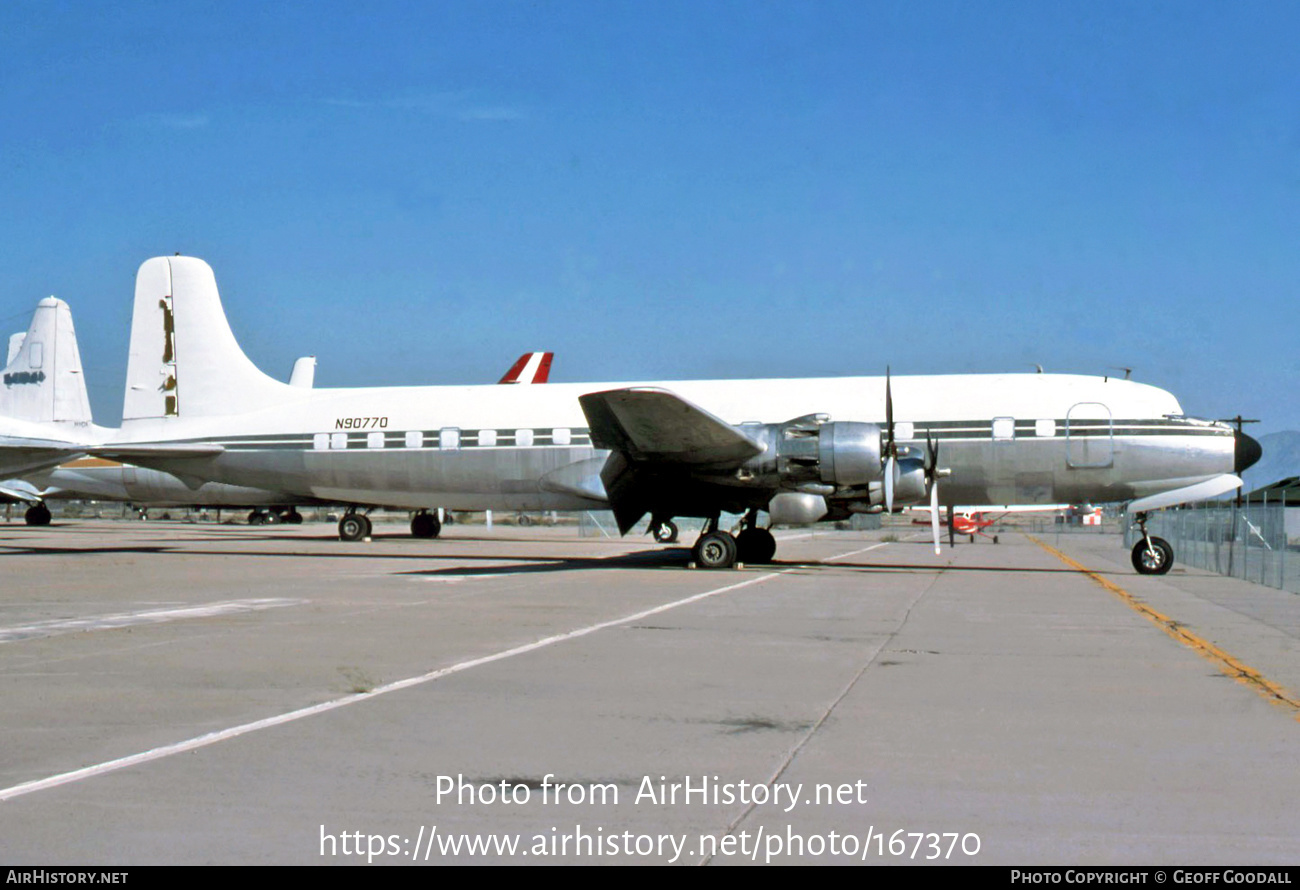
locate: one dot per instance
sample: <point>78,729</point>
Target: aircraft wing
<point>663,448</point>
<point>648,424</point>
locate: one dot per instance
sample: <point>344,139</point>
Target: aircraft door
<point>1089,436</point>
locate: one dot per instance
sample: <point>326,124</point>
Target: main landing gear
<point>354,526</point>
<point>717,549</point>
<point>37,515</point>
<point>425,525</point>
<point>1151,555</point>
<point>291,516</point>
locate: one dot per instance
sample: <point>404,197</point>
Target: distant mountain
<point>1281,459</point>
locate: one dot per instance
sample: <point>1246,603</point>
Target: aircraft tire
<point>1158,564</point>
<point>37,515</point>
<point>425,525</point>
<point>716,550</point>
<point>755,545</point>
<point>666,533</point>
<point>292,517</point>
<point>353,527</point>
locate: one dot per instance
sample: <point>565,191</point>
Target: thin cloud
<point>451,105</point>
<point>493,114</point>
<point>177,121</point>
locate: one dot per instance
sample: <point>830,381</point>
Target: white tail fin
<point>184,360</point>
<point>43,382</point>
<point>304,372</point>
<point>15,344</point>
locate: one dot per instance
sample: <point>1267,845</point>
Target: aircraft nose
<point>1245,453</point>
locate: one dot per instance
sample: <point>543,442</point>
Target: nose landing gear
<point>1151,555</point>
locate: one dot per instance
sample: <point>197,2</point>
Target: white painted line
<point>39,629</point>
<point>856,552</point>
<point>222,735</point>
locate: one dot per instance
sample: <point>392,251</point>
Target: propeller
<point>891,447</point>
<point>932,477</point>
<point>931,466</point>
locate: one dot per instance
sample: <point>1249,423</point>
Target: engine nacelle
<point>814,455</point>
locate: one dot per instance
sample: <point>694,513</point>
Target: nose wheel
<point>1151,555</point>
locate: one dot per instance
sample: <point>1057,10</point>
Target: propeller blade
<point>889,416</point>
<point>889,483</point>
<point>934,513</point>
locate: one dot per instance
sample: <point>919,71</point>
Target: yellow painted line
<point>1230,666</point>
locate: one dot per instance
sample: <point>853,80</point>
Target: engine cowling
<point>815,455</point>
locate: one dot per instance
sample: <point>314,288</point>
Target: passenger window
<point>562,436</point>
<point>487,438</point>
<point>339,440</point>
<point>1004,429</point>
<point>414,439</point>
<point>374,440</point>
<point>1045,428</point>
<point>450,439</point>
<point>524,437</point>
<point>321,441</point>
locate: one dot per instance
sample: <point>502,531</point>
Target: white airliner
<point>801,450</point>
<point>44,385</point>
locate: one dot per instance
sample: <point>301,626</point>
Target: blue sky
<point>418,192</point>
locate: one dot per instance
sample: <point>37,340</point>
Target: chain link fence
<point>1248,542</point>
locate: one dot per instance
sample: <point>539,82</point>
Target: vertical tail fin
<point>531,367</point>
<point>15,344</point>
<point>43,382</point>
<point>304,372</point>
<point>184,360</point>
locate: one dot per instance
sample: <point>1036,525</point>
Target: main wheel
<point>37,515</point>
<point>291,517</point>
<point>1148,562</point>
<point>666,533</point>
<point>425,525</point>
<point>756,545</point>
<point>353,527</point>
<point>716,550</point>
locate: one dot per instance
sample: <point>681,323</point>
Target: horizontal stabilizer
<point>1201,491</point>
<point>145,453</point>
<point>648,424</point>
<point>22,454</point>
<point>19,490</point>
